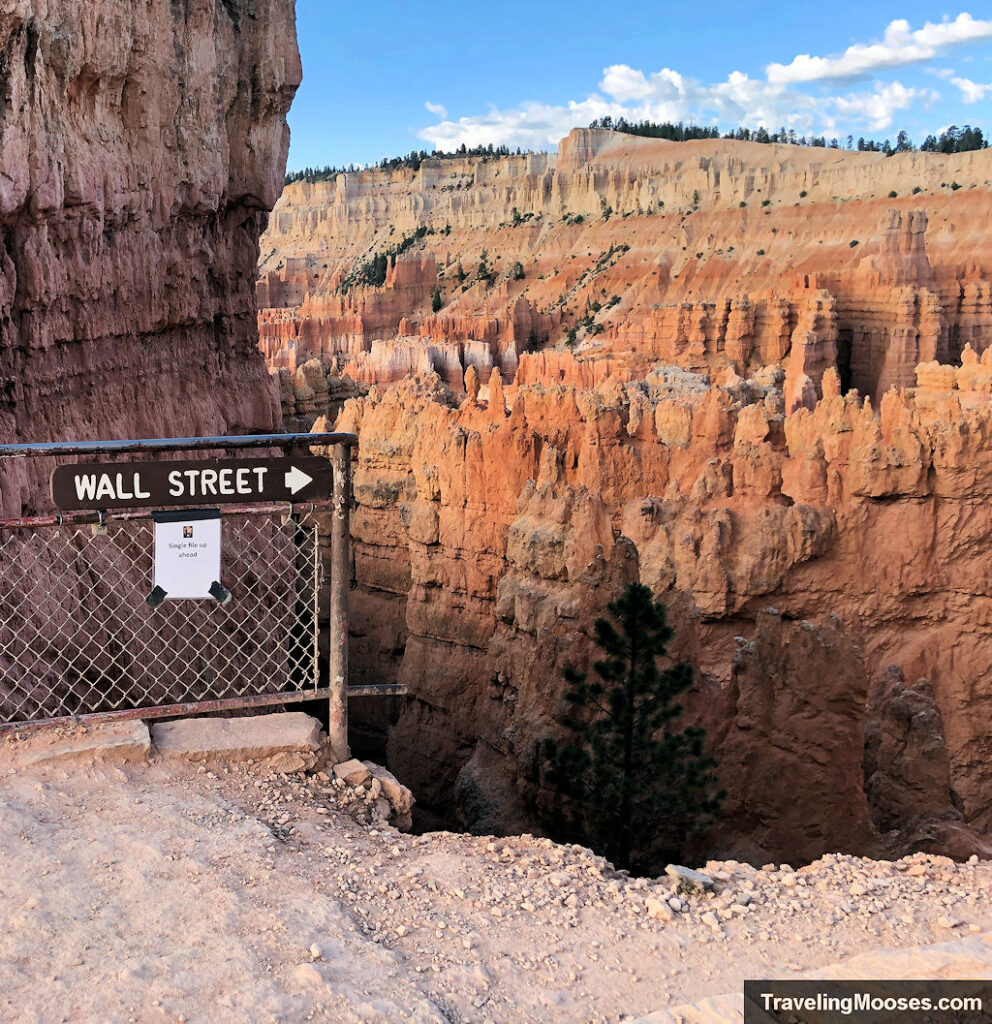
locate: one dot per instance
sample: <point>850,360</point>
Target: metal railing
<point>78,639</point>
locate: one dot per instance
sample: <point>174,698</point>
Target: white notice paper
<point>187,557</point>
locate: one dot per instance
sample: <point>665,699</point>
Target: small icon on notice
<point>187,532</point>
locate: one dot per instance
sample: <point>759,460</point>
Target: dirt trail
<point>162,892</point>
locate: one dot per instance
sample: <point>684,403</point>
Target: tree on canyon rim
<point>630,784</point>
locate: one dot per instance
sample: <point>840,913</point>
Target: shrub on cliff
<point>436,300</point>
<point>630,783</point>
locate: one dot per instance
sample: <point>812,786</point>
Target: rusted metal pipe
<point>86,518</point>
<point>337,727</point>
<point>172,444</point>
<point>204,707</point>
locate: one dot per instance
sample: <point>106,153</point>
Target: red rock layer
<point>141,145</point>
<point>801,553</point>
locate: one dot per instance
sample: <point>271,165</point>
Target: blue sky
<point>382,79</point>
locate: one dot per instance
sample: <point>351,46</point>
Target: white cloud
<point>660,97</point>
<point>797,95</point>
<point>972,92</point>
<point>437,109</point>
<point>879,107</point>
<point>667,95</point>
<point>624,84</point>
<point>899,47</point>
<point>530,126</point>
<point>664,95</point>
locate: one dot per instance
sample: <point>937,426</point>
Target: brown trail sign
<point>108,486</point>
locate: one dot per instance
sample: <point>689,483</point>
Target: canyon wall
<point>708,254</point>
<point>805,556</point>
<point>756,378</point>
<point>141,146</point>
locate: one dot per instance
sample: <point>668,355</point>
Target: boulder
<point>400,798</point>
<point>287,742</point>
<point>688,880</point>
<point>353,772</point>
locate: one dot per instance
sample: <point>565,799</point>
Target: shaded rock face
<point>141,145</point>
<point>489,534</point>
<point>907,772</point>
<point>793,751</point>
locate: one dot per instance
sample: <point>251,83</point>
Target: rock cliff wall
<point>705,254</point>
<point>141,145</point>
<point>756,378</point>
<point>802,554</point>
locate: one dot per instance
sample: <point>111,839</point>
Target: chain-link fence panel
<point>77,636</point>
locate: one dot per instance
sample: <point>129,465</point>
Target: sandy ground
<point>162,892</point>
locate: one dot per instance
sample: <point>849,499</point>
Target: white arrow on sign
<point>296,480</point>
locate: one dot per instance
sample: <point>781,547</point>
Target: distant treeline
<point>953,140</point>
<point>412,160</point>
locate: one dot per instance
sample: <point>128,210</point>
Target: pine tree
<point>631,784</point>
<point>436,302</point>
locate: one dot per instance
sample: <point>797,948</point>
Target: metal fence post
<point>337,728</point>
